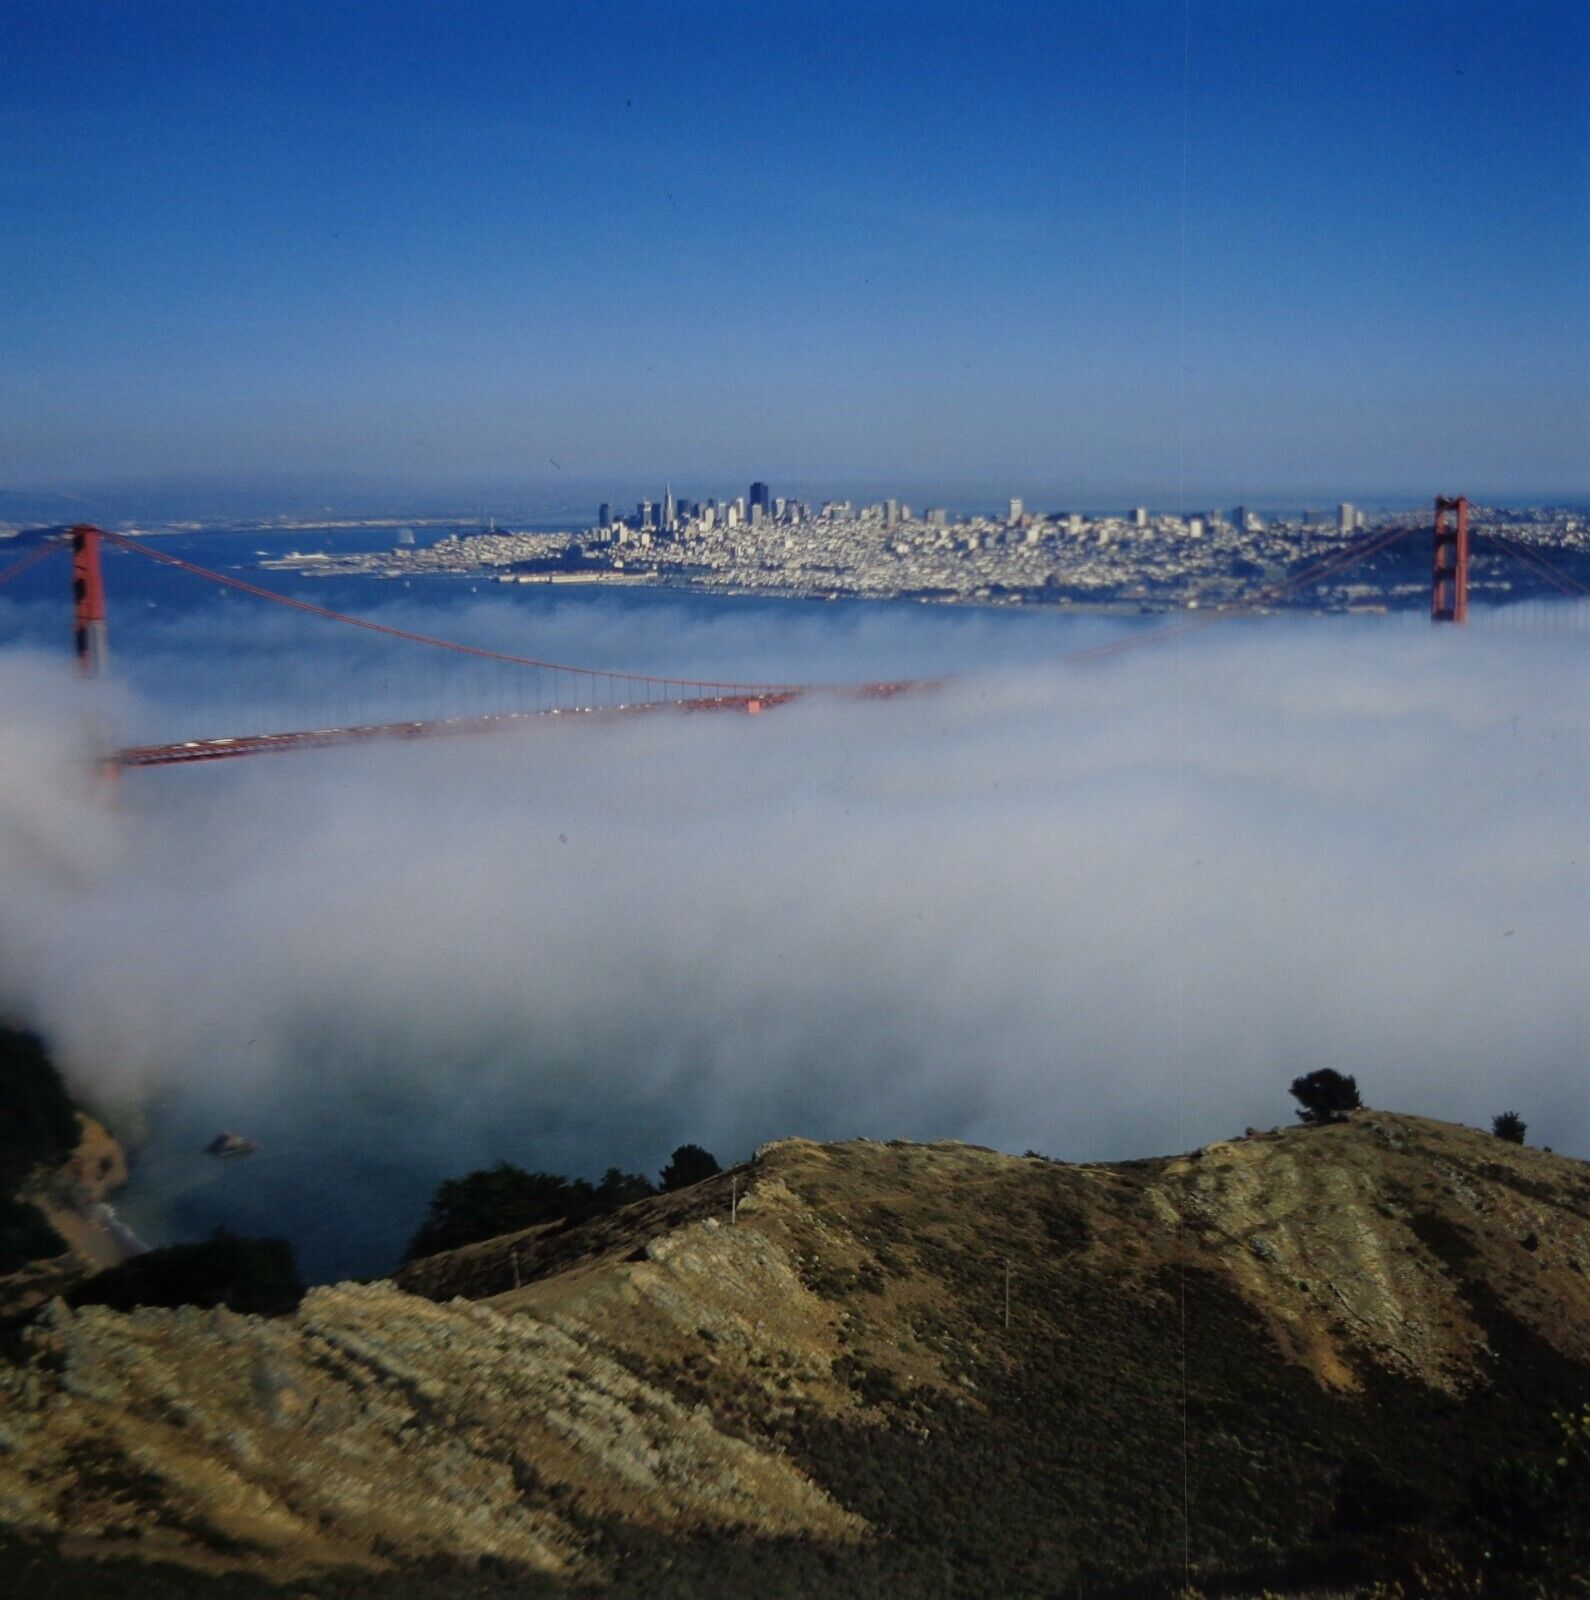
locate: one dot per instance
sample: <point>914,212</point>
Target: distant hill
<point>27,507</point>
<point>1366,1322</point>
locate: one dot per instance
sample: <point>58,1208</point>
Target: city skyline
<point>671,512</point>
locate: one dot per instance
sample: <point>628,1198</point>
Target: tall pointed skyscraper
<point>668,509</point>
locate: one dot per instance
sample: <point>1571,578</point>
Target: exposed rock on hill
<point>73,1197</point>
<point>83,1234</point>
<point>372,1421</point>
<point>826,1396</point>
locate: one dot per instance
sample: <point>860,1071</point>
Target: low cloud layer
<point>1097,910</point>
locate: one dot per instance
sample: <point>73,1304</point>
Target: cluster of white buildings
<point>759,542</point>
<point>886,548</point>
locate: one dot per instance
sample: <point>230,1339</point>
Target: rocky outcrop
<point>371,1426</point>
<point>72,1197</point>
<point>1343,1237</point>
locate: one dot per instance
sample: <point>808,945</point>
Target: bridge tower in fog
<point>1449,582</point>
<point>89,635</point>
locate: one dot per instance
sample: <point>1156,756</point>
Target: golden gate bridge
<point>583,693</point>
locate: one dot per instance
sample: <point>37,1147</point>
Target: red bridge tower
<point>88,602</point>
<point>1449,586</point>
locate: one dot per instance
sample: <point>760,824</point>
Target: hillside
<point>824,1397</point>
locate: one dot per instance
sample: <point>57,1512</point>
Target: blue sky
<point>386,249</point>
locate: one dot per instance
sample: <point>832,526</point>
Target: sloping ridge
<point>831,1383</point>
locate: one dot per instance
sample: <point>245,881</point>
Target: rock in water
<point>230,1144</point>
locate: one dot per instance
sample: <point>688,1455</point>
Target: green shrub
<point>25,1236</point>
<point>1534,1511</point>
<point>488,1202</point>
<point>506,1199</point>
<point>1369,1499</point>
<point>619,1189</point>
<point>248,1275</point>
<point>689,1164</point>
<point>38,1125</point>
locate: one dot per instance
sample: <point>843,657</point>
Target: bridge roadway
<point>193,750</point>
<point>678,694</point>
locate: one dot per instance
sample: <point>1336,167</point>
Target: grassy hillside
<point>1298,1360</point>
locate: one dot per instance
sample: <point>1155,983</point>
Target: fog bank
<point>1099,911</point>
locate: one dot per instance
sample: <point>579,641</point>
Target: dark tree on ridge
<point>488,1202</point>
<point>1509,1126</point>
<point>689,1164</point>
<point>1325,1096</point>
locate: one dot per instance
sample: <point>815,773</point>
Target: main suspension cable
<point>409,635</point>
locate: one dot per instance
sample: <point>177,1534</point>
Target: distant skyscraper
<point>1140,516</point>
<point>761,497</point>
<point>1344,517</point>
<point>891,513</point>
<point>669,516</point>
<point>1017,509</point>
<point>604,515</point>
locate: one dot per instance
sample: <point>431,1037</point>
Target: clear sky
<point>467,244</point>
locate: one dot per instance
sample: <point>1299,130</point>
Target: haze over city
<point>282,256</point>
